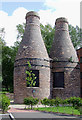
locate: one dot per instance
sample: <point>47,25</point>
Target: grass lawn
<point>66,110</point>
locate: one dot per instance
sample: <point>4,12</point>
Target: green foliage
<point>67,110</point>
<point>70,59</point>
<point>30,76</point>
<point>20,29</point>
<point>75,101</point>
<point>51,102</point>
<point>72,103</point>
<point>7,67</point>
<point>47,32</point>
<point>4,102</point>
<point>31,101</point>
<point>75,34</point>
<point>45,101</point>
<point>57,101</point>
<point>64,101</point>
<point>9,53</point>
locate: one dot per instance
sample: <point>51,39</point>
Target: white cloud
<point>10,22</point>
<point>55,8</point>
<point>47,16</point>
<point>66,8</point>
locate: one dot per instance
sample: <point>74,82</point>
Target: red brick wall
<point>79,53</point>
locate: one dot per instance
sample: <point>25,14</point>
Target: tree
<point>75,35</point>
<point>7,68</point>
<point>4,103</point>
<point>47,32</point>
<point>30,76</point>
<point>31,101</point>
<point>2,43</point>
<point>20,29</point>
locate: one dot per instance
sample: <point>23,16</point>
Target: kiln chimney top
<point>61,19</point>
<point>32,13</point>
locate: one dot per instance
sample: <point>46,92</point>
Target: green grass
<point>66,110</point>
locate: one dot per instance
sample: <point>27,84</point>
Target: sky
<point>12,13</point>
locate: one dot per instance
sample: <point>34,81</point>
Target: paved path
<point>4,117</point>
<point>19,110</point>
<point>20,114</point>
<point>41,115</point>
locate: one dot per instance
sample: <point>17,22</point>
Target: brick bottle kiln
<point>32,49</point>
<point>63,80</point>
<point>65,75</point>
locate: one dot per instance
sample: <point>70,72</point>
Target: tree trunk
<point>31,106</point>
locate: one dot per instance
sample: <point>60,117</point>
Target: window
<point>36,72</point>
<point>58,79</point>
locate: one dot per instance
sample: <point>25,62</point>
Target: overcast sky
<point>12,13</point>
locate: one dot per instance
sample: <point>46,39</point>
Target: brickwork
<point>65,60</point>
<point>79,53</point>
<point>31,49</point>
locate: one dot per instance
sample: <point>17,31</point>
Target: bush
<point>31,101</point>
<point>51,102</point>
<point>57,101</point>
<point>64,102</point>
<point>75,101</point>
<point>45,101</point>
<point>4,103</point>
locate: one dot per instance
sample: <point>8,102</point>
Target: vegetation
<point>48,31</point>
<point>65,110</point>
<point>30,76</point>
<point>31,101</point>
<point>45,101</point>
<point>4,103</point>
<point>72,103</point>
<point>9,53</point>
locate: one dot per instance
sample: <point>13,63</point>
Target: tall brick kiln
<point>79,53</point>
<point>65,74</point>
<point>32,49</point>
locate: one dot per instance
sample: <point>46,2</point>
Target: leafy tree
<point>2,43</point>
<point>20,29</point>
<point>7,67</point>
<point>31,101</point>
<point>7,57</point>
<point>30,76</point>
<point>75,35</point>
<point>47,32</point>
<point>4,102</point>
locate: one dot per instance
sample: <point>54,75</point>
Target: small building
<point>65,72</point>
<point>32,49</point>
<point>57,75</point>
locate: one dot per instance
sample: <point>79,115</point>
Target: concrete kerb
<point>11,116</point>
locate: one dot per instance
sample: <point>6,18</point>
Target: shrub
<point>75,101</point>
<point>57,101</point>
<point>64,102</point>
<point>51,102</point>
<point>4,103</point>
<point>45,101</point>
<point>31,101</point>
